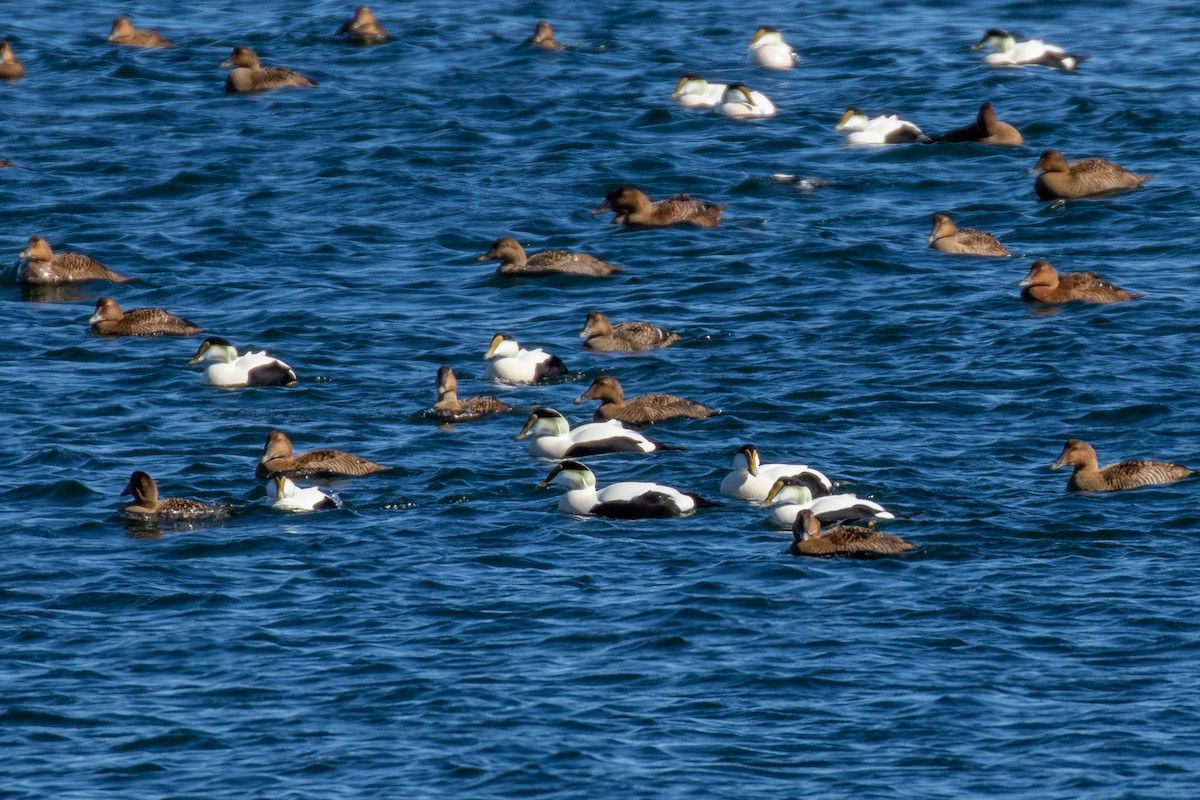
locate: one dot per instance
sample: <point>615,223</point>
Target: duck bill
<point>980,44</point>
<point>227,64</point>
<point>752,463</point>
<point>280,481</point>
<point>1058,464</point>
<point>529,423</point>
<point>491,351</point>
<point>196,359</point>
<point>600,209</point>
<point>586,333</point>
<point>1025,284</point>
<point>549,479</point>
<point>1036,169</point>
<point>486,256</point>
<point>771,495</point>
<point>94,318</point>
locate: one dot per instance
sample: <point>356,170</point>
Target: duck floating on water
<point>692,91</point>
<point>110,320</point>
<point>986,129</point>
<point>624,337</point>
<point>645,409</point>
<point>1044,284</point>
<point>363,28</point>
<point>514,262</point>
<point>1088,476</point>
<point>249,75</point>
<point>625,500</point>
<point>739,102</point>
<point>945,237</point>
<point>232,370</point>
<point>147,505</point>
<point>1011,53</point>
<point>512,363</point>
<point>285,495</point>
<point>44,267</point>
<point>794,493</point>
<point>845,541</point>
<point>633,207</point>
<point>553,437</point>
<point>10,68</point>
<point>543,37</point>
<point>769,50</point>
<point>449,408</point>
<point>889,129</point>
<point>278,459</point>
<point>752,480</point>
<point>123,32</point>
<point>1091,177</point>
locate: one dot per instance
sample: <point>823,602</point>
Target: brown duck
<point>123,32</point>
<point>945,237</point>
<point>645,409</point>
<point>147,503</point>
<point>543,37</point>
<point>1090,477</point>
<point>277,458</point>
<point>1060,180</point>
<point>1044,284</point>
<point>110,320</point>
<point>449,408</point>
<point>9,66</point>
<point>628,337</point>
<point>44,267</point>
<point>249,75</point>
<point>514,262</point>
<point>986,129</point>
<point>364,28</point>
<point>851,541</point>
<point>633,207</point>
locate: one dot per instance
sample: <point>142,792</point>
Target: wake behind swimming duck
<point>514,262</point>
<point>632,207</point>
<point>249,75</point>
<point>44,267</point>
<point>1091,177</point>
<point>624,500</point>
<point>110,320</point>
<point>1088,476</point>
<point>278,459</point>
<point>232,370</point>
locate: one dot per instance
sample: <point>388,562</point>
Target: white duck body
<point>1034,52</point>
<point>232,370</point>
<point>751,480</point>
<point>514,364</point>
<point>287,496</point>
<point>830,508</point>
<point>769,50</point>
<point>739,102</point>
<point>625,500</point>
<point>554,438</point>
<point>888,129</point>
<point>692,91</point>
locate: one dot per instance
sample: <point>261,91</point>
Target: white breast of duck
<point>251,369</point>
<point>768,49</point>
<point>830,508</point>
<point>554,438</point>
<point>514,364</point>
<point>624,500</point>
<point>739,102</point>
<point>751,480</point>
<point>287,496</point>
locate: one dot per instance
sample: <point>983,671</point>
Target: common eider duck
<point>553,437</point>
<point>645,409</point>
<point>1060,180</point>
<point>123,32</point>
<point>6,162</point>
<point>692,91</point>
<point>1044,284</point>
<point>624,500</point>
<point>1090,477</point>
<point>449,408</point>
<point>986,129</point>
<point>1011,53</point>
<point>947,238</point>
<point>148,505</point>
<point>793,494</point>
<point>633,207</point>
<point>9,66</point>
<point>889,129</point>
<point>768,49</point>
<point>739,102</point>
<point>285,495</point>
<point>250,76</point>
<point>277,458</point>
<point>848,541</point>
<point>626,337</point>
<point>510,362</point>
<point>44,267</point>
<point>543,37</point>
<point>110,320</point>
<point>232,370</point>
<point>752,480</point>
<point>364,28</point>
<point>514,262</point>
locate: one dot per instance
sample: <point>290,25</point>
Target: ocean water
<point>451,633</point>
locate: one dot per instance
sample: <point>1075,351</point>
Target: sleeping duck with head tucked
<point>44,267</point>
<point>633,207</point>
<point>249,75</point>
<point>515,263</point>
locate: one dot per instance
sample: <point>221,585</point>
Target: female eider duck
<point>9,66</point>
<point>692,91</point>
<point>752,480</point>
<point>514,262</point>
<point>888,129</point>
<point>625,500</point>
<point>44,267</point>
<point>123,32</point>
<point>553,437</point>
<point>986,129</point>
<point>249,75</point>
<point>1011,53</point>
<point>283,494</point>
<point>947,238</point>
<point>1090,477</point>
<point>511,363</point>
<point>625,337</point>
<point>633,207</point>
<point>1060,180</point>
<point>739,102</point>
<point>645,409</point>
<point>278,459</point>
<point>1044,284</point>
<point>543,37</point>
<point>148,505</point>
<point>793,494</point>
<point>768,49</point>
<point>363,28</point>
<point>848,541</point>
<point>449,408</point>
<point>232,370</point>
<point>110,320</point>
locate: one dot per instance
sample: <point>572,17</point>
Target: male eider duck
<point>553,437</point>
<point>626,337</point>
<point>44,267</point>
<point>148,505</point>
<point>947,238</point>
<point>514,262</point>
<point>645,409</point>
<point>692,91</point>
<point>1090,477</point>
<point>768,49</point>
<point>510,362</point>
<point>277,458</point>
<point>449,408</point>
<point>848,541</point>
<point>633,207</point>
<point>888,129</point>
<point>1060,180</point>
<point>1011,53</point>
<point>287,496</point>
<point>364,28</point>
<point>232,370</point>
<point>250,76</point>
<point>123,32</point>
<point>9,66</point>
<point>986,129</point>
<point>739,102</point>
<point>794,493</point>
<point>543,37</point>
<point>752,480</point>
<point>625,500</point>
<point>110,320</point>
<point>1044,284</point>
